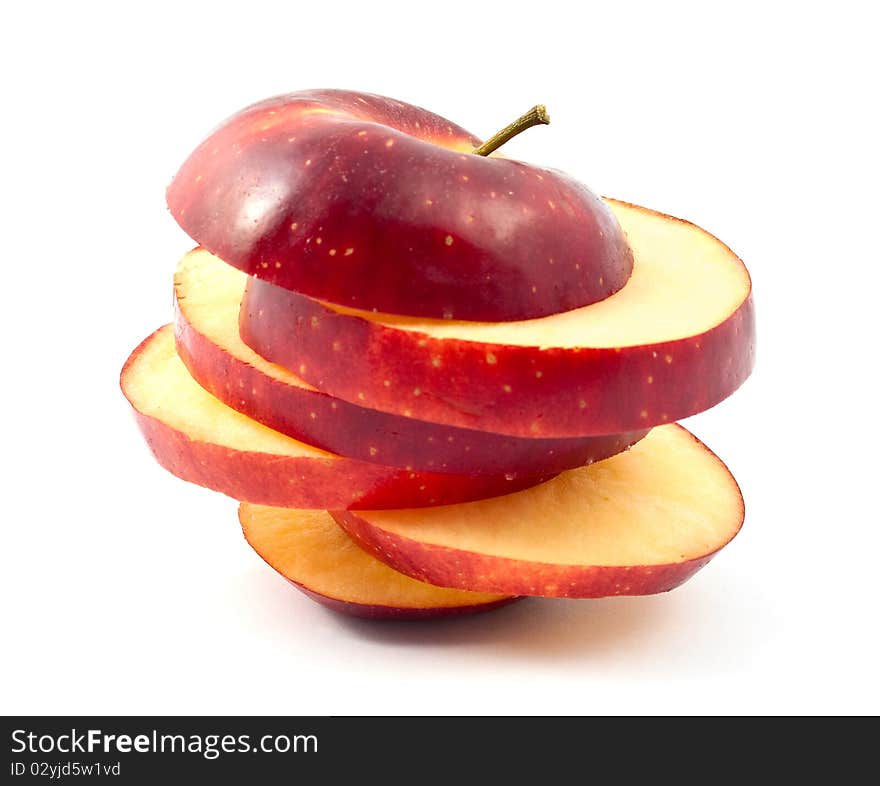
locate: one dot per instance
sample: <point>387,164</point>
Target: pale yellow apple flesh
<point>310,549</point>
<point>209,293</point>
<point>158,385</point>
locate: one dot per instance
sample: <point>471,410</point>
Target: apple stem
<point>536,116</point>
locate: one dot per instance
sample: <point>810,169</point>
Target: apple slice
<point>677,339</point>
<point>198,438</point>
<point>208,293</point>
<point>638,523</point>
<point>370,202</point>
<point>310,550</point>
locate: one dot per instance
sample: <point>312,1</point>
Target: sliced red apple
<point>314,554</point>
<point>208,293</point>
<point>638,523</point>
<point>675,340</point>
<point>374,203</point>
<point>198,438</point>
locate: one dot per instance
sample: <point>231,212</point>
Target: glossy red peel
<point>373,203</point>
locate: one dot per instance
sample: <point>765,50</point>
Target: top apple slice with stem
<point>375,204</point>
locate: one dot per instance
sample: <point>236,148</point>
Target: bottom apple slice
<point>314,554</point>
<point>640,522</point>
<point>198,438</point>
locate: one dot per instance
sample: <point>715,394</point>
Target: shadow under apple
<point>540,628</point>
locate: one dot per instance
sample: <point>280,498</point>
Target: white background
<point>128,591</point>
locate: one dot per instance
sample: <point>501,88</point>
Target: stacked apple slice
<point>439,380</point>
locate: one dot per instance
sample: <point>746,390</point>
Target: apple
<point>675,340</point>
<point>198,438</point>
<point>308,548</point>
<point>207,297</point>
<point>641,522</point>
<point>376,204</point>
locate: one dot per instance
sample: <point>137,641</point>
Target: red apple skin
<point>372,203</point>
<point>372,612</point>
<point>295,482</point>
<point>586,391</point>
<point>372,436</point>
<point>447,567</point>
<point>308,482</point>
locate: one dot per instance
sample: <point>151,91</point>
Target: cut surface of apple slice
<point>675,340</point>
<point>198,438</point>
<point>208,295</point>
<point>638,523</point>
<point>311,551</point>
